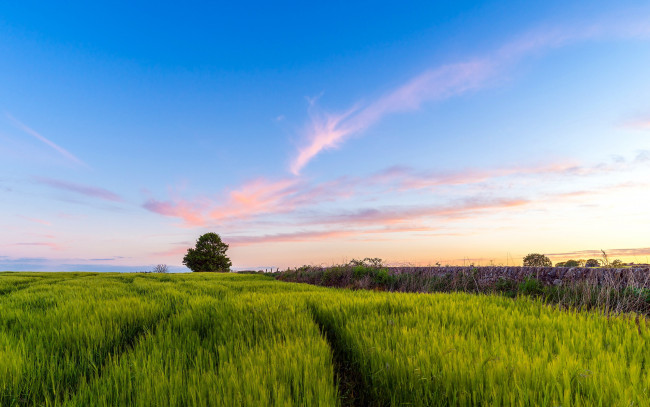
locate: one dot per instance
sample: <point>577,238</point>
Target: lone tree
<point>592,263</point>
<point>537,260</point>
<point>208,255</point>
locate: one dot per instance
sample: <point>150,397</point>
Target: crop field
<point>80,339</point>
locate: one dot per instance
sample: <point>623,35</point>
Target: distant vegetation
<point>200,339</point>
<point>606,290</point>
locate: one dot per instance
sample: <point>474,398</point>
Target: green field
<point>229,340</point>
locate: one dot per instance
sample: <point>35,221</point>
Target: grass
<point>79,339</point>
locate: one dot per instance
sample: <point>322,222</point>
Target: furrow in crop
<point>352,389</point>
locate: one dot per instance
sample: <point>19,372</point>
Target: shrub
<point>592,263</point>
<point>382,277</point>
<point>506,286</point>
<point>531,286</point>
<point>160,268</point>
<point>642,293</point>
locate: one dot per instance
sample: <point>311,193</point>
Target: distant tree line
<point>540,260</point>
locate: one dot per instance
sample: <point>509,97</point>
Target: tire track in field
<point>125,346</point>
<point>352,389</point>
<point>35,283</point>
<point>127,343</point>
<point>13,289</point>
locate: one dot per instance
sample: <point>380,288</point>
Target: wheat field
<point>104,339</point>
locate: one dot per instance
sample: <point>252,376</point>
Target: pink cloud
<point>190,213</point>
<point>173,252</point>
<point>93,192</point>
<point>36,220</point>
<point>638,124</point>
<point>406,178</point>
<point>391,216</point>
<point>65,153</point>
<point>643,251</point>
<point>290,237</point>
<point>51,245</point>
<point>266,197</point>
<point>328,131</point>
<point>254,198</point>
<point>321,235</point>
<point>257,197</point>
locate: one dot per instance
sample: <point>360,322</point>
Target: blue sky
<point>314,134</point>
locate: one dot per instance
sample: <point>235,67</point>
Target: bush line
<point>607,290</point>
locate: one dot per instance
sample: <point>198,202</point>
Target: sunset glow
<point>449,134</point>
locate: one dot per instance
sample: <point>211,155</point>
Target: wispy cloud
<point>320,235</point>
<point>407,178</point>
<point>253,198</point>
<point>639,123</point>
<point>44,244</point>
<point>397,215</point>
<point>108,258</point>
<point>192,214</point>
<point>290,237</point>
<point>62,151</point>
<point>271,197</point>
<point>36,220</point>
<point>174,251</point>
<point>90,191</point>
<point>328,130</point>
<point>596,253</point>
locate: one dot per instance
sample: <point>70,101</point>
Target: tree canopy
<point>208,255</point>
<point>537,260</point>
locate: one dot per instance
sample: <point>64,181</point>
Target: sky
<point>426,132</point>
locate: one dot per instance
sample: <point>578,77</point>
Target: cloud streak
<point>267,197</point>
<point>253,198</point>
<point>642,123</point>
<point>642,251</point>
<point>320,235</point>
<point>62,151</point>
<point>327,131</point>
<point>86,190</point>
<point>400,215</point>
<point>36,220</point>
<point>51,245</point>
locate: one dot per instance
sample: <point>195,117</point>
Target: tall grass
<point>605,290</point>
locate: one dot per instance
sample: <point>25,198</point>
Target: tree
<point>617,263</point>
<point>160,268</point>
<point>592,263</point>
<point>208,255</point>
<point>571,263</point>
<point>537,260</point>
